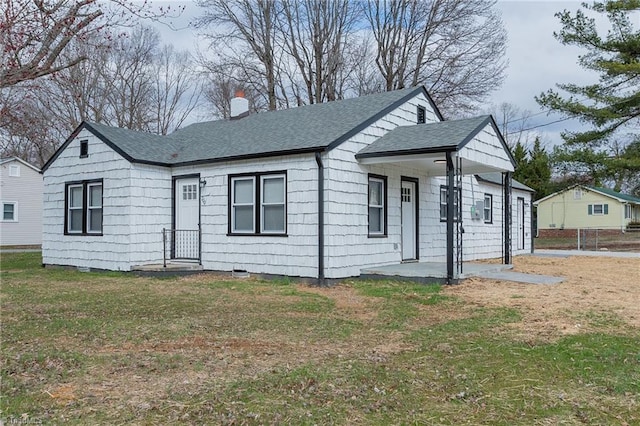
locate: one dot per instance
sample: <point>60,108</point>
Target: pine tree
<point>533,168</point>
<point>612,105</point>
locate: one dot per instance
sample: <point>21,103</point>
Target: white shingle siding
<point>485,148</point>
<point>294,254</point>
<point>110,250</point>
<point>348,247</point>
<point>25,191</point>
<point>151,212</point>
<point>137,205</point>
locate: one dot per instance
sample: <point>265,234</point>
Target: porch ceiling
<point>433,164</point>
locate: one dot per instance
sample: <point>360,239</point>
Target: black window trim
<point>257,207</point>
<point>421,114</point>
<point>84,148</point>
<point>384,233</point>
<point>85,204</point>
<point>490,220</point>
<point>459,201</point>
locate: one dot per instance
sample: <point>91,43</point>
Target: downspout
<point>320,218</point>
<point>507,217</point>
<point>450,212</point>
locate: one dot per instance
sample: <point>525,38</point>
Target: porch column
<point>450,213</point>
<point>506,207</point>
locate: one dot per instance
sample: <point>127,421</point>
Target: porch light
<point>203,183</point>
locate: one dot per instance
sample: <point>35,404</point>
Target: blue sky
<point>537,61</point>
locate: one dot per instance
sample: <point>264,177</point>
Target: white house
<point>21,189</point>
<point>318,191</point>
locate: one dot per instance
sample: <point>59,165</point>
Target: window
<point>488,208</point>
<point>627,211</point>
<point>598,209</point>
<point>377,205</point>
<point>84,208</point>
<point>443,204</point>
<point>267,218</point>
<point>9,211</point>
<point>94,207</point>
<point>421,114</point>
<point>272,204</point>
<point>84,149</point>
<point>189,192</point>
<point>14,170</point>
<point>577,194</point>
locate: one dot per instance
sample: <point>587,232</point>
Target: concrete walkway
<point>520,277</point>
<point>599,253</point>
<point>427,270</point>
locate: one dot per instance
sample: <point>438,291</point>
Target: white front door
<point>408,195</point>
<point>520,223</point>
<point>186,237</point>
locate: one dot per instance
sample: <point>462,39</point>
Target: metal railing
<point>183,244</point>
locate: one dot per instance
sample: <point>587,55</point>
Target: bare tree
<point>315,34</point>
<point>251,24</point>
<point>132,83</point>
<point>454,47</point>
<point>176,90</point>
<point>223,83</point>
<point>513,123</point>
<point>35,33</point>
<point>129,84</point>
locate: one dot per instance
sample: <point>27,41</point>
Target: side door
<point>186,235</point>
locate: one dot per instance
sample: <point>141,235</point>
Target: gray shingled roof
<point>495,177</point>
<point>137,145</point>
<point>430,137</point>
<point>302,129</point>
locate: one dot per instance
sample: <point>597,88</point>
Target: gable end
<point>474,133</point>
<point>382,113</point>
<point>103,138</point>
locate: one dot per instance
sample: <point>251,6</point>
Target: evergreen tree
<point>533,168</point>
<point>611,106</point>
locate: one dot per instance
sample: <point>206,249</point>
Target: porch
<point>449,149</point>
<point>429,272</point>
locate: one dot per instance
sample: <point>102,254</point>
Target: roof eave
<point>248,156</point>
<point>399,153</point>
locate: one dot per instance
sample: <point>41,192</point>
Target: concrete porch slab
<point>171,267</point>
<point>424,271</point>
<point>437,272</point>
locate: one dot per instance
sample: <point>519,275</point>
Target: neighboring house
<point>318,191</point>
<point>582,207</point>
<point>21,198</point>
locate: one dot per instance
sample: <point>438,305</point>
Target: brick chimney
<point>239,106</point>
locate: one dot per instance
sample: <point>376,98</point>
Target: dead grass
<point>116,349</point>
<point>596,290</point>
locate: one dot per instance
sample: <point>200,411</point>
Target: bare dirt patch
<point>597,293</point>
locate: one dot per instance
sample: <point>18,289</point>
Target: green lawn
<point>112,348</point>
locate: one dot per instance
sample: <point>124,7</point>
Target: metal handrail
<point>182,244</point>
